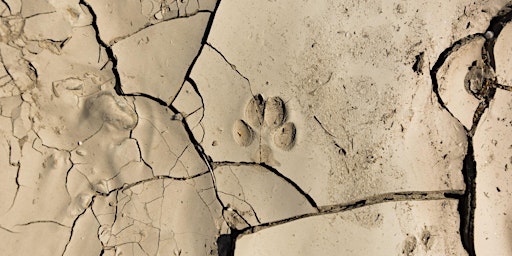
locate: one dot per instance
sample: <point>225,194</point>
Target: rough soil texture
<point>236,127</point>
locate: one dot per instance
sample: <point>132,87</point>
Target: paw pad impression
<point>269,117</point>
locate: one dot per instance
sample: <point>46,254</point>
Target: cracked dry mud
<point>223,127</point>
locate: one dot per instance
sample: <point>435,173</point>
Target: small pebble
<point>489,34</point>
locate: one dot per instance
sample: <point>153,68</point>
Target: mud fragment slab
<point>33,7</point>
<point>22,76</point>
<point>80,55</point>
<point>493,155</point>
<point>28,239</point>
<point>36,27</point>
<point>144,68</point>
<point>164,143</point>
<point>190,105</point>
<point>455,79</point>
<point>118,19</point>
<point>409,228</point>
<point>41,192</point>
<point>110,163</point>
<point>84,236</point>
<point>256,195</point>
<point>150,219</point>
<point>188,100</point>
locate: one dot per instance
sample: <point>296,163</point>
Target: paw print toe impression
<point>242,133</point>
<point>284,137</point>
<point>274,112</point>
<point>254,111</point>
<point>265,120</point>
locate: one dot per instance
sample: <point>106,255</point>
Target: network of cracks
<point>131,161</point>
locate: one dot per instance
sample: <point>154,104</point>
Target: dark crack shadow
<point>467,201</point>
<point>226,244</point>
<point>110,54</point>
<point>367,201</point>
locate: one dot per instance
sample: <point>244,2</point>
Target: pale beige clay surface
<point>237,127</point>
<point>493,153</point>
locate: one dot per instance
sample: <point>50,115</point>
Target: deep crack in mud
<point>467,202</point>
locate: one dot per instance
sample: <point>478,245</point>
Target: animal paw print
<point>269,118</point>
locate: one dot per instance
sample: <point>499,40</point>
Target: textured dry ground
<point>236,127</point>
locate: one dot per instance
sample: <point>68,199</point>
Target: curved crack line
<point>155,178</point>
<point>43,222</point>
<point>160,134</point>
<point>441,61</point>
<point>8,230</point>
<point>233,66</point>
<point>151,24</point>
<point>467,203</point>
<point>245,202</point>
<point>74,224</point>
<point>368,201</point>
<point>310,200</point>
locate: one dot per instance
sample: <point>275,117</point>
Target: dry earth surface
<point>237,127</point>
